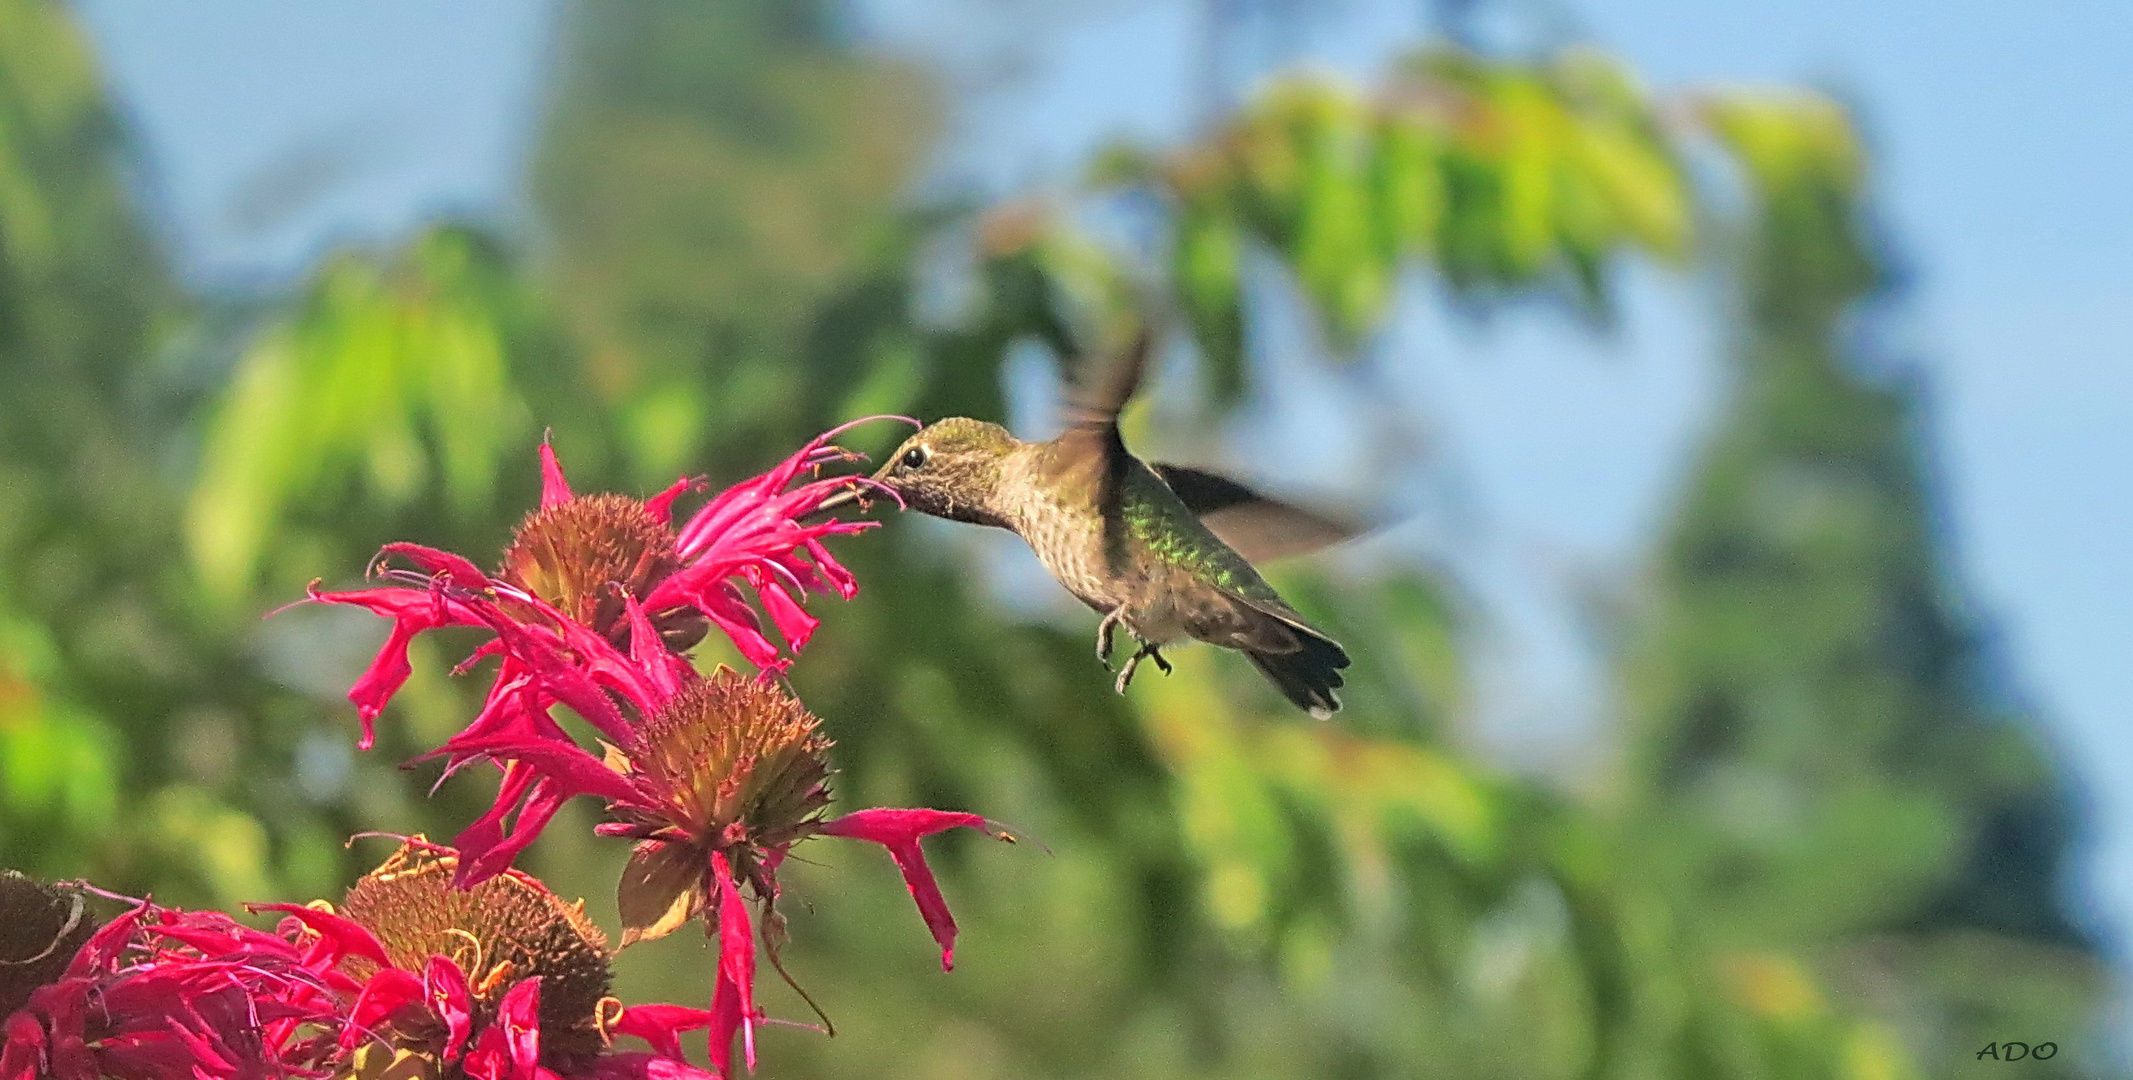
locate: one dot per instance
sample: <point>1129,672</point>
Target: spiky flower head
<point>501,934</point>
<point>580,555</point>
<point>740,757</point>
<point>715,778</point>
<point>728,766</point>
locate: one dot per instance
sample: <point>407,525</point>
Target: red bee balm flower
<point>574,559</point>
<point>503,981</point>
<point>716,778</point>
<point>158,993</point>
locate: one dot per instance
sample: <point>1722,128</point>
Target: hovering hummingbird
<point>1161,550</point>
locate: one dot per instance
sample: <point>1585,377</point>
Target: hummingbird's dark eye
<point>914,457</point>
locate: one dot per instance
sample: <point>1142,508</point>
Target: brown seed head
<point>569,554</point>
<point>744,766</point>
<point>500,932</point>
<point>41,928</point>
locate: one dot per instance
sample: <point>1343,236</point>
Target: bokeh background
<point>1742,391</point>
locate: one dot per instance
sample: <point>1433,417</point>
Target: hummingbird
<point>1163,551</point>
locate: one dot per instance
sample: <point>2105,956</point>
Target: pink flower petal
<point>663,671</point>
<point>661,506</point>
<point>24,1052</point>
<point>510,1044</point>
<point>387,992</point>
<point>348,938</point>
<point>900,831</point>
<point>103,949</point>
<point>453,569</point>
<point>210,1057</point>
<point>566,679</point>
<point>661,1025</point>
<point>516,709</point>
<point>792,620</point>
<point>840,579</point>
<point>720,602</point>
<point>572,769</point>
<point>555,490</point>
<point>217,941</point>
<point>484,833</point>
<point>412,611</point>
<point>485,851</point>
<point>519,1015</point>
<point>451,999</point>
<point>635,1066</point>
<point>752,529</point>
<point>733,998</point>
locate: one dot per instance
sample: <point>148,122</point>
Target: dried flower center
<point>569,554</point>
<point>41,928</point>
<point>743,763</point>
<point>501,932</point>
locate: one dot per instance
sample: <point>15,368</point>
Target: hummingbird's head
<point>951,469</point>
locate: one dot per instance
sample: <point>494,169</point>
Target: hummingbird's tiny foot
<point>1133,663</point>
<point>1103,636</point>
<point>1125,674</point>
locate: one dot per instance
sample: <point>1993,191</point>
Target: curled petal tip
<point>311,594</point>
<point>850,424</point>
<point>869,482</point>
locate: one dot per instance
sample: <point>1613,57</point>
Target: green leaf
<point>1337,257</point>
<point>1409,171</point>
<point>1642,188</point>
<point>387,379</point>
<point>1788,142</point>
<point>1531,140</point>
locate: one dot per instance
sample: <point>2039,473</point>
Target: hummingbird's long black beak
<point>855,492</point>
<point>840,500</point>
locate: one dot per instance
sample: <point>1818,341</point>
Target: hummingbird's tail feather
<point>1302,663</point>
<point>1308,675</point>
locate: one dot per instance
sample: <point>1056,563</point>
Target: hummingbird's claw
<point>1103,638</point>
<point>1133,663</point>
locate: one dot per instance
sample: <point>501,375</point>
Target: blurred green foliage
<point>384,374</point>
<point>1825,758</point>
<point>1508,179</point>
<point>727,262</point>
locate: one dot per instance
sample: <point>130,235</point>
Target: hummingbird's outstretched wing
<point>1091,444</point>
<point>1253,525</point>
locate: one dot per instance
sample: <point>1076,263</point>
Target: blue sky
<point>2004,135</point>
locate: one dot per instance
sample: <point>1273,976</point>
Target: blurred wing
<point>1091,440</point>
<point>1253,525</point>
<point>1102,388</point>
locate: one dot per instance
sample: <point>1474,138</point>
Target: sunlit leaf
<point>387,378</point>
<point>1788,140</point>
<point>1410,185</point>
